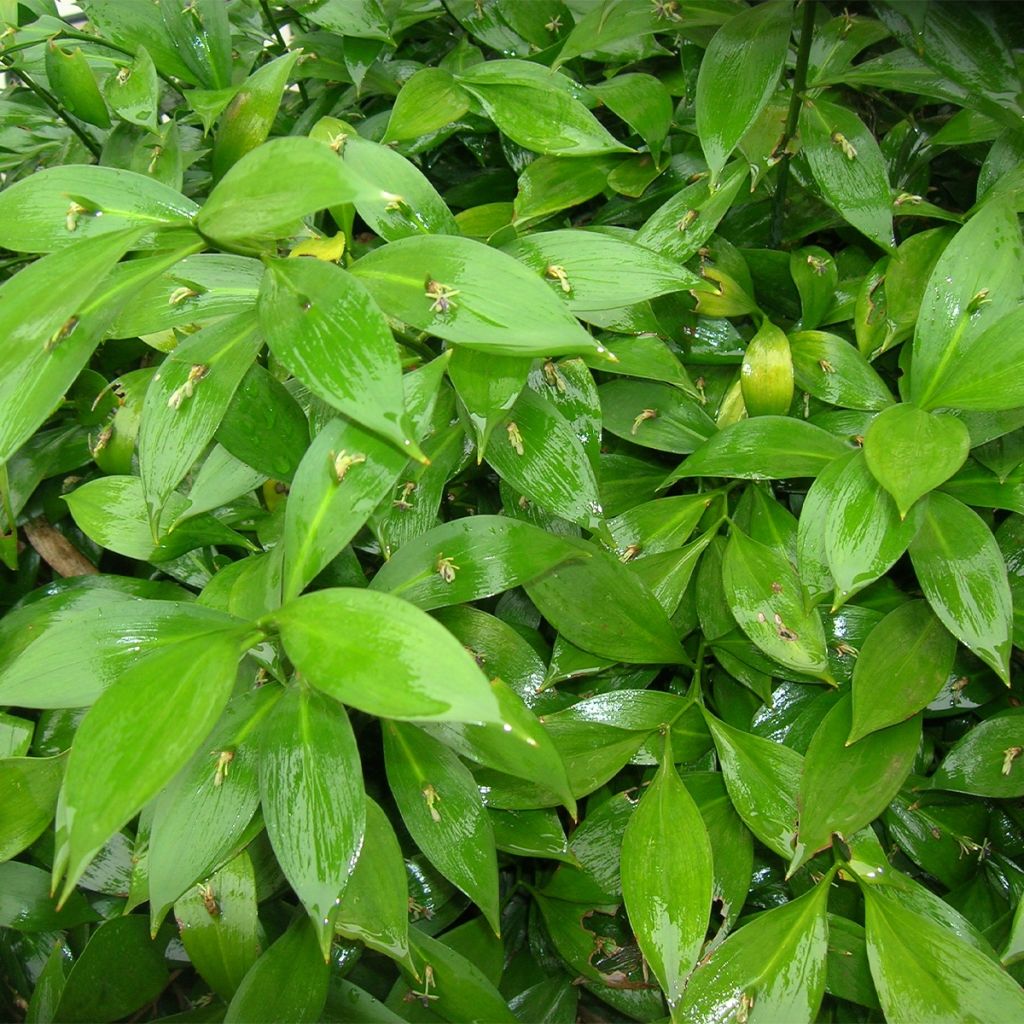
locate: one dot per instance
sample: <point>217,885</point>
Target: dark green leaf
<point>987,761</point>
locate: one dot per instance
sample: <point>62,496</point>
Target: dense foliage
<point>513,510</point>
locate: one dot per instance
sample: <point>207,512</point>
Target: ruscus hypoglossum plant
<point>511,510</point>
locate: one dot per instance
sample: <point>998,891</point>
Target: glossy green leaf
<point>848,167</point>
<point>535,108</point>
<point>140,733</point>
<point>205,814</point>
<point>26,903</point>
<point>911,452</point>
<point>186,400</point>
<point>642,102</point>
<point>646,357</point>
<point>553,183</point>
<point>738,75</point>
<point>444,813</point>
<point>832,370</point>
<point>923,972</point>
<point>219,927</point>
<point>346,642</point>
<point>667,879</point>
<point>763,448</point>
<point>429,100</point>
<point>766,598</point>
<point>28,789</point>
<point>603,607</point>
<point>313,801</point>
<point>256,201</point>
<point>538,452</point>
<point>901,667</point>
<point>468,559</point>
<point>763,779</point>
<point>585,268</point>
<point>289,980</point>
<point>488,386</point>
<point>842,789</point>
<point>133,92</point>
<point>58,206</point>
<point>864,533</point>
<point>776,963</point>
<point>322,324</point>
<point>375,903</point>
<point>654,415</point>
<point>987,761</point>
<point>963,576</point>
<point>248,118</point>
<point>469,294</point>
<point>766,376</point>
<point>965,296</point>
<point>118,972</point>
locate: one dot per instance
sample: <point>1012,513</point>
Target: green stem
<point>56,106</point>
<point>792,119</point>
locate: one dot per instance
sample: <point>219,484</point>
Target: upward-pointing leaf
<point>322,324</point>
<point>384,656</point>
<point>141,732</point>
<point>186,401</point>
<point>314,805</point>
<point>738,75</point>
<point>667,879</point>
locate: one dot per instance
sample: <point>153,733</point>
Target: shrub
<point>580,584</point>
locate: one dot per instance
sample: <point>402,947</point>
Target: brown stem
<point>57,551</point>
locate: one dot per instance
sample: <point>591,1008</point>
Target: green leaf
<point>27,905</point>
<point>812,558</point>
<point>833,371</point>
<point>249,117</point>
<point>201,35</point>
<point>219,926</point>
<point>842,789</point>
<point>444,813</point>
<point>411,206</point>
<point>667,879</point>
<point>901,668</point>
<point>776,963</point>
<point>864,534</point>
<point>289,981</point>
<point>72,659</point>
<point>428,101</point>
<point>186,400</point>
<point>322,324</point>
<point>139,734</point>
<point>538,452</point>
<point>766,376</point>
<point>966,296</point>
<point>657,526</point>
<point>133,92</point>
<point>553,183</point>
<point>118,972</point>
<point>488,386</point>
<point>468,559</point>
<point>28,790</point>
<point>654,415</point>
<point>49,338</point>
<point>535,107</point>
<point>602,606</point>
<point>763,780</point>
<point>586,268</point>
<point>911,452</point>
<point>738,75</point>
<point>767,600</point>
<point>763,448</point>
<point>963,576</point>
<point>642,102</point>
<point>680,226</point>
<point>58,206</point>
<point>204,815</point>
<point>647,357</point>
<point>346,641</point>
<point>470,294</point>
<point>987,760</point>
<point>256,201</point>
<point>375,904</point>
<point>313,800</point>
<point>923,971</point>
<point>848,167</point>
